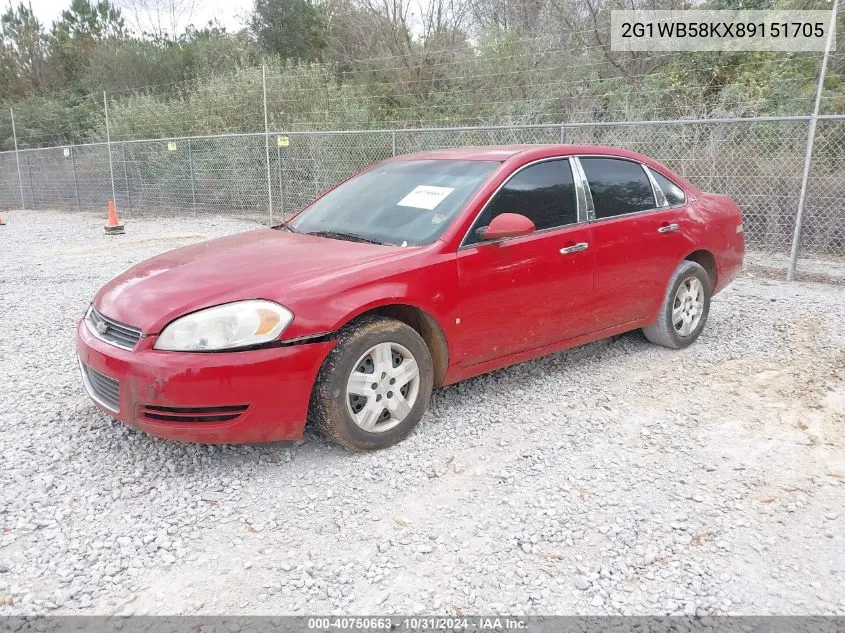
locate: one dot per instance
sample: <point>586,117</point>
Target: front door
<point>526,292</point>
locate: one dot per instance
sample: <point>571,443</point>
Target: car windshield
<point>404,202</point>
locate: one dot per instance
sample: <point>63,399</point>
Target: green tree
<point>90,20</point>
<point>212,51</point>
<point>82,28</point>
<point>22,52</point>
<point>292,29</point>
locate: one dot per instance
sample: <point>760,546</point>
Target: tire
<point>664,331</point>
<point>369,345</point>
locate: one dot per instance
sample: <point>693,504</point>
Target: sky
<point>227,12</point>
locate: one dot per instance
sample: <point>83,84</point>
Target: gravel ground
<point>827,269</point>
<point>618,477</point>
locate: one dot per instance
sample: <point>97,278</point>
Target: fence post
<point>29,177</point>
<point>191,171</point>
<point>393,141</point>
<point>126,179</point>
<point>267,142</point>
<point>108,144</point>
<point>17,157</point>
<point>808,154</point>
<point>281,187</point>
<point>75,181</point>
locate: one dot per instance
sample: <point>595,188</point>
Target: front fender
<point>432,289</point>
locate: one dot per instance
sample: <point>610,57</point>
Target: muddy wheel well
<point>426,326</point>
<point>706,260</point>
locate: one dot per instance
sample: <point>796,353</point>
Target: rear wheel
<point>684,310</point>
<point>374,386</point>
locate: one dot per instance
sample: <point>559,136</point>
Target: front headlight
<point>229,326</point>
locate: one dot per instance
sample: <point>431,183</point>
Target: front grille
<point>101,388</point>
<point>194,414</point>
<point>112,331</point>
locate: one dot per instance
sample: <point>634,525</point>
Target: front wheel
<point>685,308</point>
<point>374,386</point>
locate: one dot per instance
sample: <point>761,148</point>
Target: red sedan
<point>421,271</point>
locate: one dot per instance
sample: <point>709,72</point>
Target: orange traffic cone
<point>1,222</point>
<point>113,227</point>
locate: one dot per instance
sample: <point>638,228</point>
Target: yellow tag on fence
<point>282,141</point>
<point>171,146</point>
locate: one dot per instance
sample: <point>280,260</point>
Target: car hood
<point>264,264</point>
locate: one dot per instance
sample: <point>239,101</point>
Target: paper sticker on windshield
<point>425,197</point>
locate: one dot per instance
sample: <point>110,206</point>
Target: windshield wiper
<point>338,235</point>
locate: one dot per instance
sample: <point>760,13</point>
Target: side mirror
<point>506,225</point>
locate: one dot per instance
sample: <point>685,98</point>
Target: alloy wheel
<point>688,306</point>
<point>383,387</point>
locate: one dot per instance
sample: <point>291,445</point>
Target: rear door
<point>525,292</point>
<point>638,239</point>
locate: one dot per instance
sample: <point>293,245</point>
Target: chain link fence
<point>758,162</point>
<point>824,221</point>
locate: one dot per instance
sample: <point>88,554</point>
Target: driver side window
<point>543,192</point>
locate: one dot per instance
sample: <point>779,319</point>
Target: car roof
<point>504,152</point>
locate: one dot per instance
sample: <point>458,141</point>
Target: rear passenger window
<point>674,194</point>
<point>617,186</point>
<point>543,192</point>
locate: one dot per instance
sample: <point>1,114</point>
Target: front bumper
<point>264,393</point>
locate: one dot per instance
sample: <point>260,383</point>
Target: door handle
<point>668,228</point>
<point>580,246</point>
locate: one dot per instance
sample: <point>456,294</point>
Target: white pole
<point>267,142</point>
<point>17,157</point>
<point>108,144</point>
<point>808,154</point>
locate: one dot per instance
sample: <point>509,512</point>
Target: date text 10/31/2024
<point>424,623</point>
